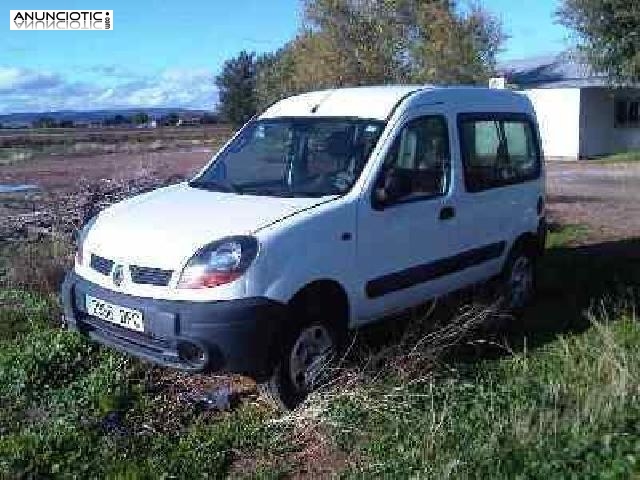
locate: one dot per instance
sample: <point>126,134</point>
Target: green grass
<point>56,388</point>
<point>626,157</point>
<point>566,235</point>
<point>560,398</point>
<point>571,409</point>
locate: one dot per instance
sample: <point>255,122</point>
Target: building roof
<point>563,70</point>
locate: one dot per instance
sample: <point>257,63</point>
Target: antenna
<point>315,108</point>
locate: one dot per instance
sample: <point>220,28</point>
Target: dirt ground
<point>66,173</point>
<point>605,197</point>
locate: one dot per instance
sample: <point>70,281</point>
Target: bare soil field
<point>70,184</point>
<point>58,174</point>
<point>17,146</point>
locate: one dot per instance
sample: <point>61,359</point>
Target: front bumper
<point>237,336</point>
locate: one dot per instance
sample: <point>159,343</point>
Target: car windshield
<point>296,157</point>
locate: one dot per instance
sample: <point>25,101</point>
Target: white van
<point>330,210</point>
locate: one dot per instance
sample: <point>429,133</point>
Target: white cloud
<point>22,79</point>
<point>104,87</point>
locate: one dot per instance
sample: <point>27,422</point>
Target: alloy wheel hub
<point>310,356</point>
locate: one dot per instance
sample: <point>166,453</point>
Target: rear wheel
<point>519,278</point>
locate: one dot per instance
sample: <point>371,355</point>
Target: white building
<point>580,114</point>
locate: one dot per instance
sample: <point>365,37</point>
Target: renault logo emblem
<point>118,275</point>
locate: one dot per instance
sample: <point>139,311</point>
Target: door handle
<point>447,213</point>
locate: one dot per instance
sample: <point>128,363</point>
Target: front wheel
<point>304,365</point>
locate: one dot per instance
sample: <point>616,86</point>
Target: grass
<point>626,157</point>
<point>555,395</point>
<point>568,410</point>
<point>56,390</point>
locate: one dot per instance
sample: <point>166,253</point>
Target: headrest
<point>339,143</point>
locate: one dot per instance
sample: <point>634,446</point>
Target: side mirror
<point>391,187</point>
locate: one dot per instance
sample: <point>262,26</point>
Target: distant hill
<point>94,115</point>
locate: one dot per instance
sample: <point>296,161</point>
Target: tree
<point>368,42</point>
<point>454,48</point>
<point>117,119</point>
<point>140,118</point>
<point>44,122</point>
<point>209,118</point>
<point>275,76</point>
<point>171,120</point>
<point>237,89</point>
<point>608,34</point>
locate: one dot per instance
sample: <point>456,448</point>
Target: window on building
<point>633,112</point>
<point>627,113</point>
<point>498,151</point>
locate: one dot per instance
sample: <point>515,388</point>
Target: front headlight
<point>219,262</point>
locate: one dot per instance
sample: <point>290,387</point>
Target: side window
<point>627,113</point>
<point>498,151</point>
<point>418,162</point>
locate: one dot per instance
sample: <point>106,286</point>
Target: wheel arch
<point>328,294</point>
<point>527,241</point>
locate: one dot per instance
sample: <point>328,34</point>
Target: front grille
<point>102,265</point>
<point>150,276</point>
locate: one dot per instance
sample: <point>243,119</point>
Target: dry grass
<point>412,401</point>
<point>36,266</point>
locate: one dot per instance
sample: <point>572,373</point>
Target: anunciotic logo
<point>61,19</point>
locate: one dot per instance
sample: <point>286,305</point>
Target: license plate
<point>122,316</point>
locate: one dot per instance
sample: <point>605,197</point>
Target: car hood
<point>165,227</point>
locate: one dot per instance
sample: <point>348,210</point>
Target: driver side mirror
<point>392,186</point>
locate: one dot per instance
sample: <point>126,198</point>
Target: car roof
<point>380,102</point>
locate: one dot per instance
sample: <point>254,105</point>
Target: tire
<point>309,353</point>
<point>519,280</point>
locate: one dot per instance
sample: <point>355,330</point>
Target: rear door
<point>501,162</point>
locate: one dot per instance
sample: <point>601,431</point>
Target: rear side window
<point>498,150</point>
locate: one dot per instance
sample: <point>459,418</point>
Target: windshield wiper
<point>267,192</point>
<point>215,186</point>
<point>286,193</point>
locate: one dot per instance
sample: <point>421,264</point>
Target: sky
<point>167,53</point>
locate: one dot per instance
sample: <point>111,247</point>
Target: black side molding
<point>430,271</point>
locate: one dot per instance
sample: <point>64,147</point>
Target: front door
<point>408,232</point>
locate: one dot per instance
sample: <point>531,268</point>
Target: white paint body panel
<point>363,102</point>
<point>302,240</point>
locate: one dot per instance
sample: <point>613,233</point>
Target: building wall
<point>599,133</point>
<point>596,122</point>
<point>558,112</point>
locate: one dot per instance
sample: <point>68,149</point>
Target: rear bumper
<point>238,336</point>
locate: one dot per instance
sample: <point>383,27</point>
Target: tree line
<point>137,119</point>
<point>344,43</point>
